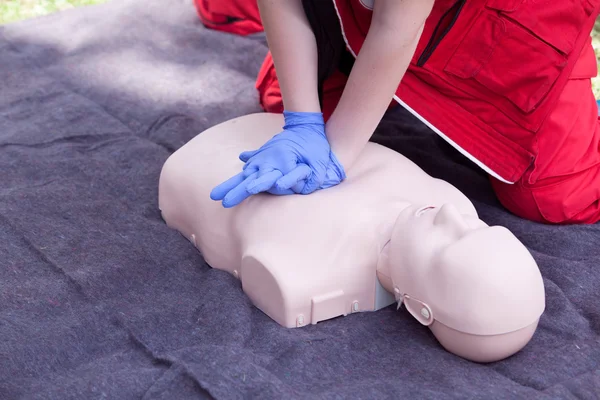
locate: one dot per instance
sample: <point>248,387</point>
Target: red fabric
<point>268,88</point>
<point>270,92</point>
<point>509,85</point>
<point>564,184</point>
<point>240,17</point>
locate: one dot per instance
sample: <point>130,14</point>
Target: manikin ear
<point>418,309</point>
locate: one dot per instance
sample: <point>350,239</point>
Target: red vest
<point>240,17</point>
<point>487,74</point>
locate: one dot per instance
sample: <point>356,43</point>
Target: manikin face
<point>456,269</point>
<point>428,230</point>
<point>422,234</point>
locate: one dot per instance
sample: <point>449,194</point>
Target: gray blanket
<point>100,300</point>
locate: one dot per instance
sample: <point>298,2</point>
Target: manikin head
<point>476,287</point>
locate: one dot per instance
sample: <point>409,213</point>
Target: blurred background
<point>16,10</point>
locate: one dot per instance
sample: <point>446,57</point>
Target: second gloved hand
<point>297,160</point>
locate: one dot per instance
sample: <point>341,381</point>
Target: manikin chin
<point>388,234</point>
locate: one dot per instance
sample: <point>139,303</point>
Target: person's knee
<point>518,200</point>
<point>566,202</point>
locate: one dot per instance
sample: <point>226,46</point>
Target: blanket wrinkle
<point>573,390</point>
<point>158,123</point>
<point>555,308</point>
<point>577,390</point>
<point>156,391</point>
<point>121,322</point>
<point>591,318</point>
<point>521,382</point>
<point>185,370</point>
<point>584,356</point>
<point>119,139</point>
<point>78,139</point>
<point>103,108</point>
<point>161,123</point>
<point>235,371</point>
<point>206,387</point>
<point>26,112</point>
<point>46,259</point>
<point>51,55</point>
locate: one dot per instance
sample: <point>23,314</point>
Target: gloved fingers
<point>298,187</point>
<point>280,192</point>
<point>301,179</point>
<point>310,186</point>
<point>238,193</point>
<point>219,192</point>
<point>256,166</point>
<point>265,169</point>
<point>295,176</point>
<point>250,168</point>
<point>246,155</point>
<point>263,182</point>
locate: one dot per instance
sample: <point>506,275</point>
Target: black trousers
<point>331,47</point>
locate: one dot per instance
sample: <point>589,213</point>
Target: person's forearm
<point>294,49</point>
<point>377,72</point>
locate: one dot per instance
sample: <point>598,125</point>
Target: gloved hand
<point>297,160</point>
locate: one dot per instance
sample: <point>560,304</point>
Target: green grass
<point>16,10</point>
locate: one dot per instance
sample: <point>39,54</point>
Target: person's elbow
<point>402,19</point>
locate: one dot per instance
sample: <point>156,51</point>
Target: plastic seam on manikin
<point>431,126</point>
<point>408,299</point>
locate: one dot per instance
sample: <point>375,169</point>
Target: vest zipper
<point>435,39</point>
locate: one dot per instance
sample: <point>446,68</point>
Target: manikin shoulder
<point>392,175</point>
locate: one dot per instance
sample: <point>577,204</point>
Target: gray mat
<point>100,300</point>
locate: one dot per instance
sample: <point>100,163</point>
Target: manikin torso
<point>320,251</point>
<point>388,233</point>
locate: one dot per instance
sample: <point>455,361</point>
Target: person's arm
<point>294,49</point>
<point>395,30</point>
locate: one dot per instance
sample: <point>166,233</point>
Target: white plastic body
<point>296,255</point>
<point>389,232</point>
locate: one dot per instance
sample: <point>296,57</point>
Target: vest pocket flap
<point>476,47</point>
<point>504,59</point>
<point>557,23</point>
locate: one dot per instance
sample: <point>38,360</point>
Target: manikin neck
<point>384,266</point>
<point>383,263</point>
<point>383,269</point>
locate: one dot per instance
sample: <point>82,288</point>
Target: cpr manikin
<point>388,233</point>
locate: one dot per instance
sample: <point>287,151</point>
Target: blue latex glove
<point>297,160</point>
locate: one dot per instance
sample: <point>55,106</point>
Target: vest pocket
<point>499,56</point>
<point>557,23</point>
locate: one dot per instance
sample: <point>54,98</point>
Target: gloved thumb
<point>246,155</point>
<point>295,179</point>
